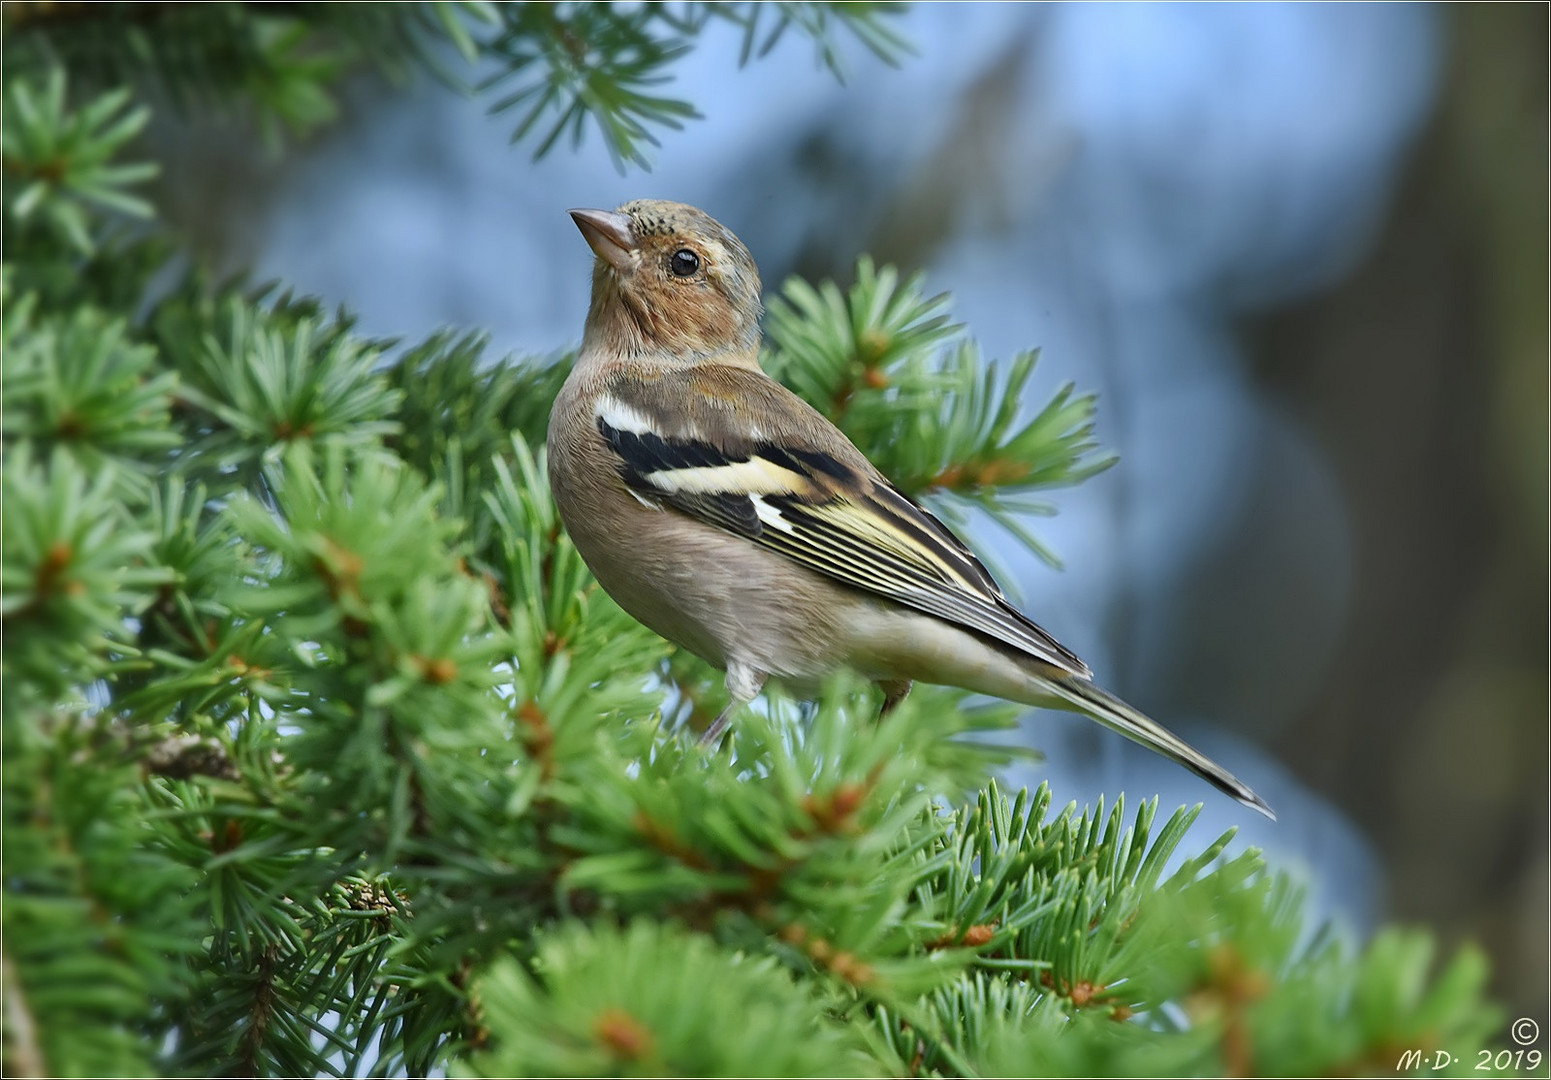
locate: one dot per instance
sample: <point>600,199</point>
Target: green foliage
<point>99,923</point>
<point>650,1000</point>
<point>570,63</point>
<point>324,753</point>
<point>579,61</point>
<point>262,379</point>
<point>459,413</point>
<point>80,384</point>
<point>70,576</point>
<point>60,164</point>
<point>272,63</point>
<point>947,422</point>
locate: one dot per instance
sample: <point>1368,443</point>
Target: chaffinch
<point>727,514</point>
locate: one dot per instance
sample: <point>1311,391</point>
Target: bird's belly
<point>657,605</point>
<point>720,596</point>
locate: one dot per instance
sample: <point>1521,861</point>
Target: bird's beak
<point>609,235</point>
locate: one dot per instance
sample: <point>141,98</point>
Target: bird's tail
<point>1085,697</point>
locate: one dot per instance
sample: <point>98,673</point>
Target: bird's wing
<point>759,471</point>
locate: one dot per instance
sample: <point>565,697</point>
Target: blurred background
<point>1299,250</point>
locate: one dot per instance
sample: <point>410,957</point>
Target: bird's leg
<point>713,734</point>
<point>743,685</point>
<point>894,692</point>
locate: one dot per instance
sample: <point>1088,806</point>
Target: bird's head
<point>672,283</point>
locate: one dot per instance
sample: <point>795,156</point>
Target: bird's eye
<point>684,262</point>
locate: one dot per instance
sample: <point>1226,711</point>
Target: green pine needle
<point>59,163</point>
